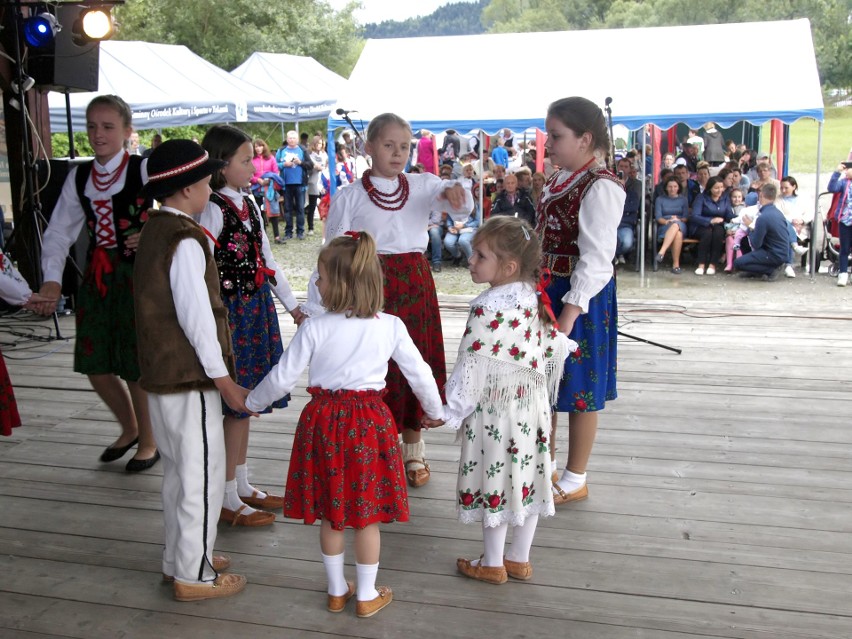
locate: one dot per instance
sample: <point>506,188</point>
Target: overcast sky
<point>378,10</point>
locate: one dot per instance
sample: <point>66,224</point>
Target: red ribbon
<point>210,235</point>
<point>541,290</point>
<point>262,273</point>
<point>101,265</point>
<point>355,235</point>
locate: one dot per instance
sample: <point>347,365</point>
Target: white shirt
<point>212,220</point>
<point>600,214</point>
<point>13,288</point>
<point>192,303</point>
<point>68,216</point>
<point>395,232</point>
<point>349,353</point>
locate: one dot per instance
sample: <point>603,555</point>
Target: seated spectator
<point>671,212</point>
<point>660,189</point>
<point>737,229</point>
<point>630,214</point>
<point>739,181</point>
<point>513,201</point>
<point>702,175</point>
<point>697,142</point>
<point>731,154</point>
<point>710,211</point>
<point>796,211</point>
<point>687,187</point>
<point>769,240</point>
<point>524,176</point>
<point>753,172</point>
<point>689,155</point>
<point>668,163</point>
<point>459,236</point>
<point>764,176</point>
<point>538,181</point>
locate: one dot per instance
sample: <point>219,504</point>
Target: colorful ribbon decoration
<point>101,265</point>
<point>541,290</point>
<point>355,235</point>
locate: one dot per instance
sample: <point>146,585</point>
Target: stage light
<point>93,25</point>
<point>40,30</point>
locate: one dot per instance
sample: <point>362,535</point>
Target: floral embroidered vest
<point>238,254</point>
<point>129,211</point>
<point>559,222</point>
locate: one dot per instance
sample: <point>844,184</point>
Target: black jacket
<point>522,208</point>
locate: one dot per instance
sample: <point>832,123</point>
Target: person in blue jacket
<point>710,210</point>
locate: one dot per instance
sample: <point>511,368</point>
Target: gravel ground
<point>298,259</point>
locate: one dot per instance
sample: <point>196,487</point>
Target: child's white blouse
<point>349,353</point>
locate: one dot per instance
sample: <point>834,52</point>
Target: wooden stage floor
<point>720,506</point>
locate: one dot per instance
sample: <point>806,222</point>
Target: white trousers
<point>191,440</point>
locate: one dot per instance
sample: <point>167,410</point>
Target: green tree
<point>226,33</point>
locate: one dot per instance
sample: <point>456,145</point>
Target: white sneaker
<point>711,270</point>
<point>620,260</point>
<point>699,270</point>
<point>788,271</point>
<point>843,279</point>
<point>310,232</point>
<point>798,249</point>
<point>823,269</point>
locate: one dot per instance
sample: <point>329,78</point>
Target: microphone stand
<point>608,110</point>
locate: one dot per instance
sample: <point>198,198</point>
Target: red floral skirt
<point>346,465</point>
<point>9,417</point>
<point>410,295</point>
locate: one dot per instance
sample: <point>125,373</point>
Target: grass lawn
<point>836,141</point>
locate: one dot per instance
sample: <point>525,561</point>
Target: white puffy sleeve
<point>600,215</point>
<point>417,372</point>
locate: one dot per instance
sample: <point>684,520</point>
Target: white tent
<point>667,84</point>
<point>309,85</point>
<point>168,85</point>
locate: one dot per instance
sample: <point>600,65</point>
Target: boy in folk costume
<point>186,361</point>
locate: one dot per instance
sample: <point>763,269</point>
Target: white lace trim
<point>492,520</point>
<point>514,295</point>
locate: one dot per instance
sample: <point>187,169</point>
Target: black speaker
<point>65,65</point>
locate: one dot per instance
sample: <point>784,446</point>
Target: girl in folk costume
<point>346,467</point>
<point>102,195</point>
<point>579,212</point>
<point>394,208</point>
<point>248,275</point>
<point>14,290</point>
<point>509,366</point>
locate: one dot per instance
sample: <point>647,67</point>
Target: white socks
<point>244,488</point>
<point>554,466</point>
<point>414,451</point>
<point>569,482</point>
<point>495,543</point>
<point>337,585</point>
<point>522,538</point>
<point>366,581</point>
<point>232,500</point>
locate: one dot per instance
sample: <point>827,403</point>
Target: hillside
<point>458,18</point>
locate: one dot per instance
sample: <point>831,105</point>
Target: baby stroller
<point>831,235</point>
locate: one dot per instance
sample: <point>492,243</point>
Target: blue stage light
<point>40,30</point>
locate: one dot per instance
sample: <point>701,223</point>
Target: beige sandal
<point>417,476</point>
<point>561,497</point>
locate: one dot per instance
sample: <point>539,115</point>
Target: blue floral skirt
<point>590,371</point>
<point>257,340</point>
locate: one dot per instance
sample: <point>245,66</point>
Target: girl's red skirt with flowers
<point>346,465</point>
<point>410,295</point>
<point>9,417</point>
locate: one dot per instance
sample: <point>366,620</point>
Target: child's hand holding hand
<point>426,422</point>
<point>298,316</point>
<point>234,395</point>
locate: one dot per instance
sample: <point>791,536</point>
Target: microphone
<point>345,115</point>
<point>344,112</point>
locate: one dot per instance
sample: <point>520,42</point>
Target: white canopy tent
<point>168,86</point>
<point>309,85</point>
<point>534,69</point>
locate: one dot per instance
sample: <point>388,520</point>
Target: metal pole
<point>71,152</point>
<point>817,224</point>
<point>481,175</point>
<point>642,208</point>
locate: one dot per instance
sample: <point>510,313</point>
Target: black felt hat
<point>175,164</point>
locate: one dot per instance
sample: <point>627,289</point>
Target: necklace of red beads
<point>242,213</point>
<point>102,181</point>
<point>558,188</point>
<point>387,201</point>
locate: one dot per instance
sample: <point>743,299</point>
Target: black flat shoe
<point>113,453</point>
<point>136,465</point>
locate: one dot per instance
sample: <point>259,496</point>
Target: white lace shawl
<point>496,382</point>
